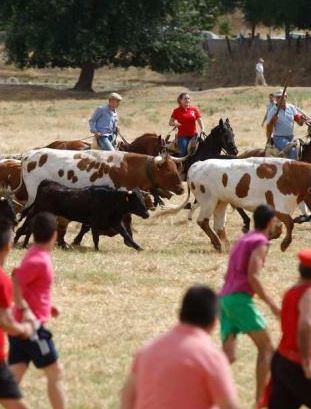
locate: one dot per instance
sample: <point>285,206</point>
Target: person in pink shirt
<point>34,280</point>
<point>239,313</point>
<point>183,368</point>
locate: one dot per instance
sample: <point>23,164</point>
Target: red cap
<point>305,257</point>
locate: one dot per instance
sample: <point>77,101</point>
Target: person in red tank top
<point>291,364</point>
<point>10,394</point>
<point>185,118</point>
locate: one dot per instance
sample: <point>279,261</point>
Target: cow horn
<point>179,160</point>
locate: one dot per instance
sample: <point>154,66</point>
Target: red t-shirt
<point>6,299</point>
<point>187,118</point>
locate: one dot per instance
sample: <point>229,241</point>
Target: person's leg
<point>229,347</point>
<point>281,396</point>
<point>19,371</point>
<point>10,394</point>
<point>55,387</point>
<point>265,350</point>
<point>183,145</point>
<point>105,144</point>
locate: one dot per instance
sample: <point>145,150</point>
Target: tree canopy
<point>93,33</point>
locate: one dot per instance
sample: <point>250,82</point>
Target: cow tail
<point>175,209</point>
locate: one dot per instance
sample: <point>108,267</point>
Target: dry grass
<point>115,300</point>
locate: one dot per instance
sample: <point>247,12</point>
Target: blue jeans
<point>104,141</point>
<point>183,142</point>
<point>280,143</point>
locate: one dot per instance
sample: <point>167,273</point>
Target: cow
<point>10,175</point>
<point>118,170</point>
<point>111,232</point>
<point>247,183</point>
<point>7,210</point>
<point>99,207</point>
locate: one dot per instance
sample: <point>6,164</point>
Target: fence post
<point>229,46</point>
<point>269,42</point>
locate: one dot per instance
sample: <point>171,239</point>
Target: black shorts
<point>290,388</point>
<point>40,351</point>
<point>8,385</point>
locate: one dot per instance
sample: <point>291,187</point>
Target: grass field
<point>115,300</point>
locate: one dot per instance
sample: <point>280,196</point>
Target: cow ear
<point>221,122</point>
<point>227,121</point>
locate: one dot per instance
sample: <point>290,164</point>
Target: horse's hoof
<point>284,245</point>
<point>302,219</point>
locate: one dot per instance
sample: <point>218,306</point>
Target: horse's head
<point>224,133</point>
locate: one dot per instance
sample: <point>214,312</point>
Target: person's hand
<point>55,312</point>
<point>97,134</point>
<point>28,316</point>
<point>27,329</point>
<point>177,124</point>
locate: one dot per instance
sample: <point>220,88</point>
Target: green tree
<point>93,33</point>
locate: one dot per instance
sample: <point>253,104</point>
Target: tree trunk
<point>287,31</point>
<point>85,80</point>
<point>253,29</point>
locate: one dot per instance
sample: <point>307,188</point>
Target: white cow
<point>247,183</point>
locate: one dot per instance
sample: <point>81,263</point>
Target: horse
<point>146,144</point>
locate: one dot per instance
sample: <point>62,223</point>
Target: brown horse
<point>146,144</point>
<point>77,145</point>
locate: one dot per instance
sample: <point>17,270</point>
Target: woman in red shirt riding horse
<point>184,118</point>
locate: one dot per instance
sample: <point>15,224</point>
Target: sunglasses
<point>186,98</point>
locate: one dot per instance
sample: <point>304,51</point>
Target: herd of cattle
<point>102,189</point>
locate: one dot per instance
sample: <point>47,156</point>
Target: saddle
<point>271,150</point>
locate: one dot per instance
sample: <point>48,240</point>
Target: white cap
<point>115,95</point>
<point>279,93</point>
<point>261,60</point>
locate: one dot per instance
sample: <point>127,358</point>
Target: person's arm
<point>21,303</point>
<point>201,124</point>
<point>220,383</point>
<point>304,332</point>
<point>174,122</point>
<point>255,265</point>
<point>128,393</point>
<point>93,121</point>
<point>12,327</point>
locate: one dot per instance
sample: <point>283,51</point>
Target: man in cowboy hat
<point>104,122</point>
<point>282,122</point>
<point>259,73</point>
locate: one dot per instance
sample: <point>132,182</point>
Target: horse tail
<point>173,209</point>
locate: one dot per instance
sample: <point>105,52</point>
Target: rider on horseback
<point>104,122</point>
<point>282,123</point>
<point>185,118</point>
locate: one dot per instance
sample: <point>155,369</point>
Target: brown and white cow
<point>247,183</point>
<point>10,174</point>
<point>119,170</point>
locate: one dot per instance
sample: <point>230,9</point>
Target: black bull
<point>98,207</point>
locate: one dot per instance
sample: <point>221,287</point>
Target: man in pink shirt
<point>239,313</point>
<point>34,279</point>
<point>183,368</point>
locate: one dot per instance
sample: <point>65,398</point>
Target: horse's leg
<point>246,220</point>
<point>289,225</point>
<point>220,223</point>
<point>206,211</point>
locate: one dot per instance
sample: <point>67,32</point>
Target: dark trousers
<point>290,388</point>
